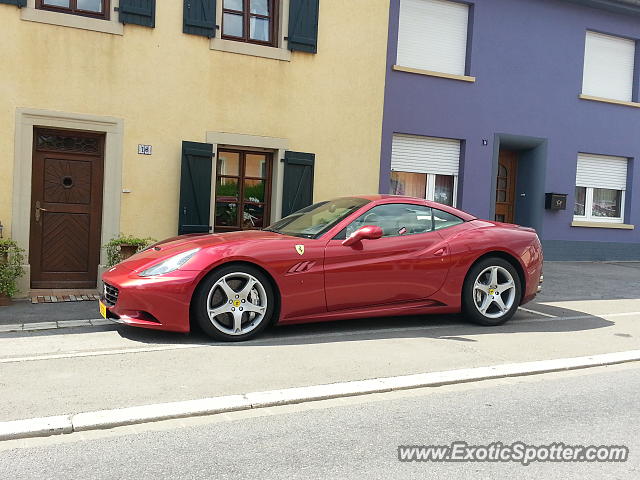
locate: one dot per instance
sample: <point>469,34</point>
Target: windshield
<point>316,219</point>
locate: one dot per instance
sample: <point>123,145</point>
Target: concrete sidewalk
<point>83,421</point>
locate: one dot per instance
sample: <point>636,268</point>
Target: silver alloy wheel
<point>237,303</point>
<point>494,292</point>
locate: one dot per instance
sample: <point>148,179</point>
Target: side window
<point>444,220</point>
<point>395,219</point>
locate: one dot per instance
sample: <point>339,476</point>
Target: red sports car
<point>352,257</point>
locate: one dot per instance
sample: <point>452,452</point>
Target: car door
<point>408,263</point>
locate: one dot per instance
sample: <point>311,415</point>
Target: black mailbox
<point>555,201</point>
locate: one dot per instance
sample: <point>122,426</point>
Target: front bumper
<point>160,303</point>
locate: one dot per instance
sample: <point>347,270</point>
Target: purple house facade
<point>523,111</point>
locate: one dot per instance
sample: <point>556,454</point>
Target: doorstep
<point>58,296</point>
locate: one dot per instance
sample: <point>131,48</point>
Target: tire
<point>224,296</point>
<point>489,300</point>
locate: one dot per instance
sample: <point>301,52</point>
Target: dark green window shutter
<point>199,17</point>
<point>195,188</point>
<point>17,3</point>
<point>297,191</point>
<point>303,25</point>
<point>138,12</point>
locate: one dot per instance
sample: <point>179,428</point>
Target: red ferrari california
<point>352,257</point>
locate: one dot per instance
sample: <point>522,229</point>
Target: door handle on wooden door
<point>38,210</point>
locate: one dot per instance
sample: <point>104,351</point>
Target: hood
<point>175,245</point>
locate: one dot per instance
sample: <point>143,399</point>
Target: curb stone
<point>34,326</point>
<point>57,425</point>
<point>36,427</point>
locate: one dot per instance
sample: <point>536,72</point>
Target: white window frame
<point>430,192</point>
<point>281,52</point>
<point>588,208</point>
<point>431,187</point>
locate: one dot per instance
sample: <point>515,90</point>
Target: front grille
<point>109,294</point>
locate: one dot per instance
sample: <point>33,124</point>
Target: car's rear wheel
<point>234,303</point>
<point>491,292</point>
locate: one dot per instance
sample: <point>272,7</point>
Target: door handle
<point>440,252</point>
<point>38,210</point>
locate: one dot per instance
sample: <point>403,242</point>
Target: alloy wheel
<point>494,292</point>
<point>237,303</point>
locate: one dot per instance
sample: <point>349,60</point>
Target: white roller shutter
<point>432,35</point>
<point>411,153</point>
<point>608,67</point>
<point>600,171</point>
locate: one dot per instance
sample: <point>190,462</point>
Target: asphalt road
<point>358,437</point>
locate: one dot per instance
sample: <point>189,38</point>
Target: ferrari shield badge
<point>300,249</point>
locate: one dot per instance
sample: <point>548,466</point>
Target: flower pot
<point>127,250</point>
<point>5,300</point>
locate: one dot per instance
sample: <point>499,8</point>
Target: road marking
<point>537,313</point>
<point>82,421</point>
<point>98,353</point>
<point>285,339</point>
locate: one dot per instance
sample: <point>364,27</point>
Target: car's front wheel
<point>234,303</point>
<point>491,292</point>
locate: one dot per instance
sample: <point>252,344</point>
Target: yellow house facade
<point>111,110</point>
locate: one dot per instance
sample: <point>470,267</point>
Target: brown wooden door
<point>66,208</point>
<point>506,186</point>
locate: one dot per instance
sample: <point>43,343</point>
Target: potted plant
<point>11,259</point>
<point>123,246</point>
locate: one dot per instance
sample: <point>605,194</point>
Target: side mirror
<point>368,232</point>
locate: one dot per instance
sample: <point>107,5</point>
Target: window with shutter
<point>297,191</point>
<point>199,17</point>
<point>195,188</point>
<point>425,167</point>
<point>601,183</point>
<point>609,64</point>
<point>432,36</point>
<point>138,12</point>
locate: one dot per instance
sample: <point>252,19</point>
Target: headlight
<point>170,264</point>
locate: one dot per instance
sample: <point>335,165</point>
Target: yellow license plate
<point>103,310</point>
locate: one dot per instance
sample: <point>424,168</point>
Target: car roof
<point>385,198</point>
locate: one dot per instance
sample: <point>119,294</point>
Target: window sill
<point>250,49</point>
<point>74,21</point>
<point>463,78</point>
<point>621,226</point>
<point>609,100</point>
